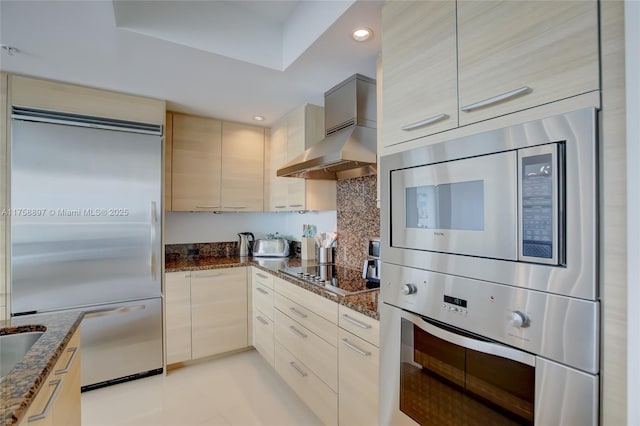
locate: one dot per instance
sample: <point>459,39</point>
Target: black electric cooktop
<point>338,279</point>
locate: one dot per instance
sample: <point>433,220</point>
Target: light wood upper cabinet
<point>168,150</point>
<point>289,138</point>
<point>196,163</point>
<point>549,47</point>
<point>420,77</point>
<point>242,167</point>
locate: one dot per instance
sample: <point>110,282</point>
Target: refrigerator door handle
<point>112,311</point>
<point>154,221</point>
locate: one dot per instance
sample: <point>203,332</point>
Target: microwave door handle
<point>478,345</point>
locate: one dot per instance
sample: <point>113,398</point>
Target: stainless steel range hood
<point>349,148</point>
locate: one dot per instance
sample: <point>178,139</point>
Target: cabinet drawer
<point>263,299</point>
<point>318,325</point>
<point>361,325</point>
<point>318,304</point>
<point>318,355</point>
<point>261,277</point>
<point>314,392</point>
<point>358,384</point>
<point>263,335</point>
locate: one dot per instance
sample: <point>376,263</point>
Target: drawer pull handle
<point>262,320</point>
<point>207,206</point>
<point>297,312</point>
<point>205,275</point>
<point>67,367</point>
<point>261,275</point>
<point>295,205</point>
<point>45,412</point>
<point>235,207</point>
<point>280,207</point>
<point>297,332</point>
<point>300,371</point>
<point>355,348</point>
<point>261,290</point>
<point>495,99</point>
<point>424,122</point>
<point>356,322</point>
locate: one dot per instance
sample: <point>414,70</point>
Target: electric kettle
<point>244,245</point>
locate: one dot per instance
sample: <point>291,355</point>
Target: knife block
<point>308,249</point>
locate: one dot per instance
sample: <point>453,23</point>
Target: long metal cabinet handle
<point>261,275</point>
<point>262,290</point>
<point>356,322</point>
<point>112,311</point>
<point>235,207</point>
<point>67,367</point>
<point>499,98</point>
<point>478,345</point>
<point>45,412</point>
<point>424,122</point>
<point>279,207</point>
<point>211,275</point>
<point>262,320</point>
<point>154,221</point>
<point>295,205</point>
<point>355,348</point>
<point>297,312</point>
<point>298,369</point>
<point>207,206</point>
<point>297,332</point>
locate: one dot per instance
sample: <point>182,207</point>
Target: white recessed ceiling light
<point>362,34</point>
<point>258,118</point>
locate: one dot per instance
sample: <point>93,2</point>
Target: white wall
<point>632,76</point>
<point>183,227</point>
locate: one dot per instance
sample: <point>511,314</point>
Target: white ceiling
<point>226,59</point>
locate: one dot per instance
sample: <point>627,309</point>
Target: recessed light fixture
<point>362,34</point>
<point>9,49</point>
<point>258,118</point>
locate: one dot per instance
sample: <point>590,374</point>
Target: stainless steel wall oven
<point>489,283</point>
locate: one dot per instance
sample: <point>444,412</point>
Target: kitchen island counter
<point>365,302</point>
<point>21,385</point>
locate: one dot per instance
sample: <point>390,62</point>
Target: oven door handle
<point>478,345</point>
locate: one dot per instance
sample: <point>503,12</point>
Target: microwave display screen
<point>458,205</point>
<point>537,206</point>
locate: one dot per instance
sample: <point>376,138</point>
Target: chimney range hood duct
<point>349,148</point>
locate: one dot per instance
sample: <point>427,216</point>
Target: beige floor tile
<point>238,390</point>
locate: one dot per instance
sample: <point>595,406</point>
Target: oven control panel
<point>559,328</point>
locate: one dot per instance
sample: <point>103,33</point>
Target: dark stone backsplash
<point>358,219</point>
<point>195,251</point>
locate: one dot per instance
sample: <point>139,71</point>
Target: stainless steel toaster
<point>276,247</point>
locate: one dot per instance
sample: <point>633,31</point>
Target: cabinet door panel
<point>196,163</point>
<point>420,76</point>
<point>218,311</point>
<point>551,47</point>
<point>178,316</point>
<point>242,167</point>
<point>278,185</point>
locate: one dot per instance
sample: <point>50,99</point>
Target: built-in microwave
<point>515,205</point>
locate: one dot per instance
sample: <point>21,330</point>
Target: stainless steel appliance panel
<point>86,228</point>
<point>562,395</point>
<point>556,327</point>
<point>578,276</point>
<point>120,340</point>
<point>465,207</point>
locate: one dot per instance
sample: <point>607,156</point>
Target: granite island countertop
<point>365,302</point>
<point>20,386</point>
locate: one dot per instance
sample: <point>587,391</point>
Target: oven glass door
<point>466,206</point>
<point>443,381</point>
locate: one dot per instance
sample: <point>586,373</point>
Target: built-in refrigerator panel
<point>86,208</point>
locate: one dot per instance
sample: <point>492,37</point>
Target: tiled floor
<point>240,389</point>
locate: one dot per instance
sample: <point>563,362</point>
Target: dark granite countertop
<point>365,303</point>
<point>22,383</point>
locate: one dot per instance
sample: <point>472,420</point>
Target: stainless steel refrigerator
<point>86,235</point>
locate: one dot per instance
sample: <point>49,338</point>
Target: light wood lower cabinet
<point>310,388</point>
<point>205,313</point>
<point>358,362</point>
<point>263,341</point>
<point>178,316</point>
<point>58,401</point>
